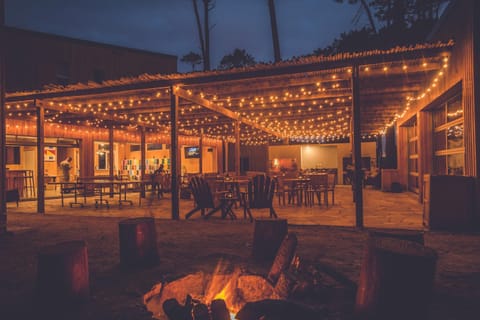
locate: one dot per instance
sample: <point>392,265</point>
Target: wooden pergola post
<point>110,158</point>
<point>237,147</point>
<point>225,155</point>
<point>201,151</point>
<point>40,160</point>
<point>174,154</point>
<point>3,150</point>
<point>357,148</point>
<point>143,162</point>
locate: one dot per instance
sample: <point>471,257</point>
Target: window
<point>448,144</point>
<point>103,150</point>
<point>13,155</point>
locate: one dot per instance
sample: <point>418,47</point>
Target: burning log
<point>175,311</point>
<point>396,280</point>
<point>219,310</point>
<point>62,273</point>
<point>286,282</point>
<point>267,237</point>
<point>138,242</point>
<point>201,312</point>
<point>283,259</point>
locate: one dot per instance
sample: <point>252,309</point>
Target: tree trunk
<point>396,280</point>
<point>267,236</point>
<point>200,31</point>
<point>62,274</point>
<point>273,24</point>
<point>138,242</point>
<point>206,58</point>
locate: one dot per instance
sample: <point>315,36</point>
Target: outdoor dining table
<point>71,186</point>
<point>294,184</point>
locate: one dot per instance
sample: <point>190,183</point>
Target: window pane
<point>454,109</point>
<point>455,164</point>
<point>455,136</point>
<point>439,140</point>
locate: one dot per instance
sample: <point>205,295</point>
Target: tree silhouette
<point>402,22</point>
<point>192,58</point>
<point>366,8</point>
<point>238,58</point>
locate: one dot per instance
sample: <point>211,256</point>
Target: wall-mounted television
<point>192,152</point>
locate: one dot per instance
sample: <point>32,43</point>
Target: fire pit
<point>229,284</point>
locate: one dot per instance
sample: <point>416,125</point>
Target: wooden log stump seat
<point>62,274</point>
<point>409,235</point>
<point>396,280</point>
<point>267,236</point>
<point>138,242</point>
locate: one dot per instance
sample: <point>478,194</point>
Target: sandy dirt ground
<point>197,245</point>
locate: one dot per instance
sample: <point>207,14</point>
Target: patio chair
<point>204,198</point>
<point>318,187</point>
<point>260,195</point>
<point>330,188</point>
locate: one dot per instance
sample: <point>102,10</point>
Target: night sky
<point>168,26</point>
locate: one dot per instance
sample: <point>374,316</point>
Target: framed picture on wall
<point>154,146</point>
<point>50,154</point>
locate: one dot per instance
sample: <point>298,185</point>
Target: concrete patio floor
<point>381,209</point>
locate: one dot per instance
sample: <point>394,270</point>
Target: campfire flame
<point>223,286</point>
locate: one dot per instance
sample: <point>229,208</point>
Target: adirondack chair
<point>260,193</point>
<point>204,198</point>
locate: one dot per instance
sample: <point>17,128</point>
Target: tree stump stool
<point>138,242</point>
<point>396,280</point>
<point>409,235</point>
<point>62,274</point>
<point>267,236</point>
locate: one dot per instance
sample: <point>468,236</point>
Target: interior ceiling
<point>307,106</point>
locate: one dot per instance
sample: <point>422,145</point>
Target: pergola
<point>317,99</point>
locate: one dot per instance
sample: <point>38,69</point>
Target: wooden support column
<point>174,151</point>
<point>3,150</point>
<point>237,148</point>
<point>143,163</point>
<point>201,151</point>
<point>40,160</point>
<point>225,156</point>
<point>357,148</point>
<point>110,158</point>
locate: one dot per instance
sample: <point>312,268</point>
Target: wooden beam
<point>142,161</point>
<point>357,148</point>
<point>201,151</point>
<point>111,156</point>
<point>223,111</point>
<point>3,149</point>
<point>40,160</point>
<point>237,148</point>
<point>182,93</point>
<point>174,152</point>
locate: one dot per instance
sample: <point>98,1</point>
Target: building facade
<point>37,59</point>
